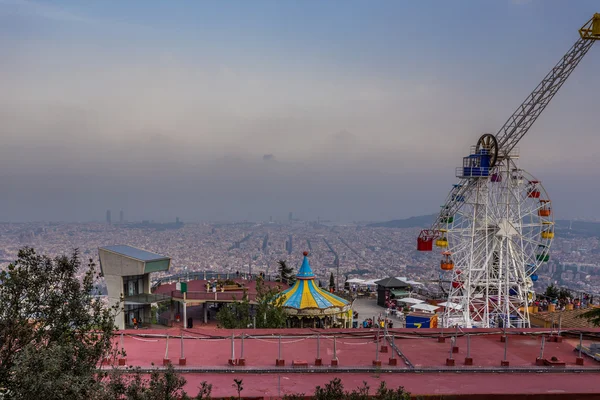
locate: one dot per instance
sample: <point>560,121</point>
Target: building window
<point>133,285</point>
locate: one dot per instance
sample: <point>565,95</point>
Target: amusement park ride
<point>496,226</point>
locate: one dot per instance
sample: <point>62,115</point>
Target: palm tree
<point>285,273</point>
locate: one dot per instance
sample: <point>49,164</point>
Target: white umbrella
<point>355,280</point>
<point>370,282</point>
<point>425,307</point>
<point>448,304</point>
<point>410,300</point>
<point>408,281</point>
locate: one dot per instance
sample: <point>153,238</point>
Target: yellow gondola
<point>441,242</point>
<point>548,235</point>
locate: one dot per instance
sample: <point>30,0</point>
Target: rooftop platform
<point>135,253</point>
<point>197,291</point>
<point>421,360</point>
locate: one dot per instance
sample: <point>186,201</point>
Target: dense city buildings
<point>362,251</point>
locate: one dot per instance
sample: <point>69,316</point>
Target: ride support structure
<point>496,225</point>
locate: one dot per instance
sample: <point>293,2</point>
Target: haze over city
<point>246,110</point>
<point>281,199</point>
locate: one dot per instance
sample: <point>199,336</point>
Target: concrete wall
<point>114,286</point>
<point>146,283</point>
<point>115,264</point>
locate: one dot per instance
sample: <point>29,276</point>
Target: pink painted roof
<point>208,351</point>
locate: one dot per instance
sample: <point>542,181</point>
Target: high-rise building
<point>290,216</point>
<point>121,217</point>
<point>289,245</point>
<point>108,219</point>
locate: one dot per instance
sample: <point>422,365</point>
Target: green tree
<point>564,293</point>
<point>269,306</point>
<point>286,274</point>
<point>552,292</point>
<point>593,316</point>
<point>133,384</point>
<point>269,309</point>
<point>53,330</point>
<point>235,315</point>
<point>333,390</point>
<point>238,384</point>
<point>54,333</point>
<point>383,393</point>
<point>331,281</point>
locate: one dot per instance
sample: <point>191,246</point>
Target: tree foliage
<point>51,323</point>
<point>55,333</point>
<point>334,390</point>
<point>564,293</point>
<point>235,315</point>
<point>133,384</point>
<point>593,316</point>
<point>269,306</point>
<point>331,281</point>
<point>268,310</point>
<point>552,292</point>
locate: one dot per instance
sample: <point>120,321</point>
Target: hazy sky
<point>228,110</point>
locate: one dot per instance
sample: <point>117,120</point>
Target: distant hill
<point>421,221</point>
<point>577,228</point>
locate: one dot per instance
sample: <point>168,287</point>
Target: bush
<point>334,390</point>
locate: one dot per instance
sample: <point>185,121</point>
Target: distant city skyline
<point>231,111</point>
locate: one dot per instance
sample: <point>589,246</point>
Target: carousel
<point>307,305</point>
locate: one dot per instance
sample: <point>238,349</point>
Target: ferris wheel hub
<point>506,229</point>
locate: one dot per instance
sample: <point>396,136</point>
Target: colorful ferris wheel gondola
<point>548,232</point>
<point>442,241</point>
<point>446,264</point>
<point>542,254</point>
<point>533,191</point>
<point>545,208</point>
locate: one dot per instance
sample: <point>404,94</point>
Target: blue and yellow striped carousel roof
<point>306,294</point>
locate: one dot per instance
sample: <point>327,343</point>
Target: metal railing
<point>146,298</point>
<point>210,275</point>
<point>218,295</point>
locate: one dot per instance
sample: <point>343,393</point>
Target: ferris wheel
<point>493,246</point>
<point>496,226</point>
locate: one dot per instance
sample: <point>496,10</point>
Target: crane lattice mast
<point>518,124</point>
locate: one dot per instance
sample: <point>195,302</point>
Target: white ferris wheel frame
<point>496,244</point>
